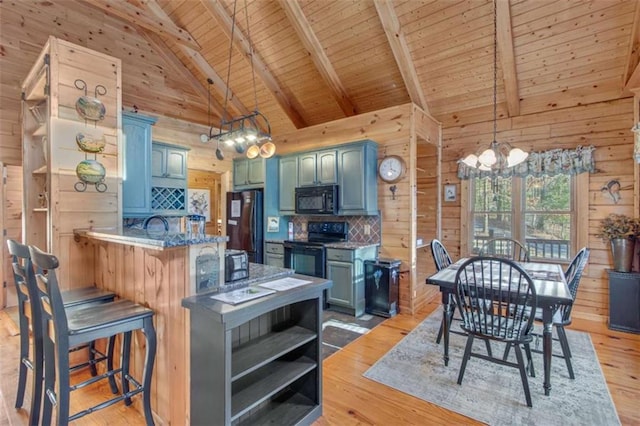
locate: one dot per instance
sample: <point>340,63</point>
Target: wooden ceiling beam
<point>401,53</point>
<point>217,11</point>
<point>632,72</point>
<point>507,58</point>
<point>137,16</point>
<point>177,66</point>
<point>302,27</point>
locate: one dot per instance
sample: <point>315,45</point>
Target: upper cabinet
<point>136,181</point>
<point>317,168</point>
<point>155,173</point>
<point>357,177</point>
<point>352,166</point>
<point>248,173</point>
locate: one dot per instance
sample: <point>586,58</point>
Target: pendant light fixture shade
<point>500,155</point>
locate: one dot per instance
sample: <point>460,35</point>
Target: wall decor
<point>450,193</point>
<point>612,190</point>
<point>273,224</point>
<point>199,202</point>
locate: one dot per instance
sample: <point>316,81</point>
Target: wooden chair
<point>441,259</point>
<point>505,248</point>
<point>510,290</point>
<point>562,316</point>
<point>63,329</point>
<point>30,316</point>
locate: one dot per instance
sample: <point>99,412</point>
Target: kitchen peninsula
<point>158,270</point>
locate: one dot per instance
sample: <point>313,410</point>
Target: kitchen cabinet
<point>345,267</point>
<point>136,180</point>
<point>257,362</point>
<point>248,173</point>
<point>624,301</point>
<point>357,178</point>
<point>274,254</point>
<point>317,168</point>
<point>287,183</point>
<point>70,158</point>
<point>168,161</point>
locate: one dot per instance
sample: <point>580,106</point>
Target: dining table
<point>551,290</point>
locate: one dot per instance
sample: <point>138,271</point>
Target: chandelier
<point>249,133</point>
<point>500,155</point>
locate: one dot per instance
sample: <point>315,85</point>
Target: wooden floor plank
<point>351,399</point>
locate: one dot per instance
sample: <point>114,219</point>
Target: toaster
<point>236,265</point>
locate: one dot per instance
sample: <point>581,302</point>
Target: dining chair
<point>562,316</point>
<point>30,317</point>
<point>509,290</point>
<point>441,259</point>
<point>63,329</point>
<point>506,248</point>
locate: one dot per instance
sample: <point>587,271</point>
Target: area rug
<point>492,393</point>
<point>340,329</point>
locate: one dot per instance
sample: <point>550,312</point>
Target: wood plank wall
<point>12,218</point>
<point>605,125</point>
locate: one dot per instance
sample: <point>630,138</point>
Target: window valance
<point>548,163</point>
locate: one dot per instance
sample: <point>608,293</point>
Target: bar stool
<point>29,314</point>
<point>63,329</point>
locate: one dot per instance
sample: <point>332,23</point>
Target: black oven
<point>305,258</point>
<point>317,199</point>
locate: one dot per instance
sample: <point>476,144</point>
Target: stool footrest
<point>95,379</point>
<point>138,389</point>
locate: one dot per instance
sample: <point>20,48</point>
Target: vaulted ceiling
<point>316,61</point>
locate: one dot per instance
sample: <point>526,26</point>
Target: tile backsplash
<point>357,227</point>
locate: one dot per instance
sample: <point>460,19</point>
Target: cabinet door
<point>352,191</point>
<point>158,161</point>
<point>307,169</point>
<point>240,172</point>
<point>287,173</point>
<point>341,273</point>
<point>255,171</point>
<point>274,260</point>
<point>136,193</point>
<point>326,167</point>
<point>176,164</point>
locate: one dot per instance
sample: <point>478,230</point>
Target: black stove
<point>308,256</point>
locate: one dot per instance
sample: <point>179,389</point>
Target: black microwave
<point>317,199</point>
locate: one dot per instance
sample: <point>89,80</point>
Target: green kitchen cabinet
<point>345,267</point>
<point>357,179</point>
<point>248,173</point>
<point>317,168</point>
<point>168,161</point>
<point>136,181</point>
<point>168,179</point>
<point>274,254</point>
<point>287,182</point>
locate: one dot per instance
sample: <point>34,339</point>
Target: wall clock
<point>392,168</point>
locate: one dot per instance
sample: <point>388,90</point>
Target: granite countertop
<point>158,240</point>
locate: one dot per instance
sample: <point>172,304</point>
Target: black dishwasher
<point>382,284</point>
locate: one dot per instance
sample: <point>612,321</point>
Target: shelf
<point>267,382</point>
<point>41,209</point>
<point>41,131</point>
<point>289,409</point>
<point>263,350</point>
<point>42,170</point>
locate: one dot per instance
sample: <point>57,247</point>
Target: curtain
<point>548,163</point>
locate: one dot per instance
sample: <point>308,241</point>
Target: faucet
<point>162,218</point>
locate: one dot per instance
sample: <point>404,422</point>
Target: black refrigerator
<point>245,223</point>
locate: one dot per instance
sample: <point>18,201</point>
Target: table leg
<point>447,313</point>
<point>547,340</point>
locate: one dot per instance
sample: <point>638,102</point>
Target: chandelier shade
<point>500,156</point>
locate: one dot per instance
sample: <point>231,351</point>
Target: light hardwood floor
<point>349,398</point>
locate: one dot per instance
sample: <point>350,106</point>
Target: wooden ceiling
<point>316,61</point>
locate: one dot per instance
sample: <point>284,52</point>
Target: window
<point>538,211</point>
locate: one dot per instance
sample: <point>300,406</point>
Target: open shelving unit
<point>261,363</point>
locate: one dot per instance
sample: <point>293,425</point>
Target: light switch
<point>367,229</point>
